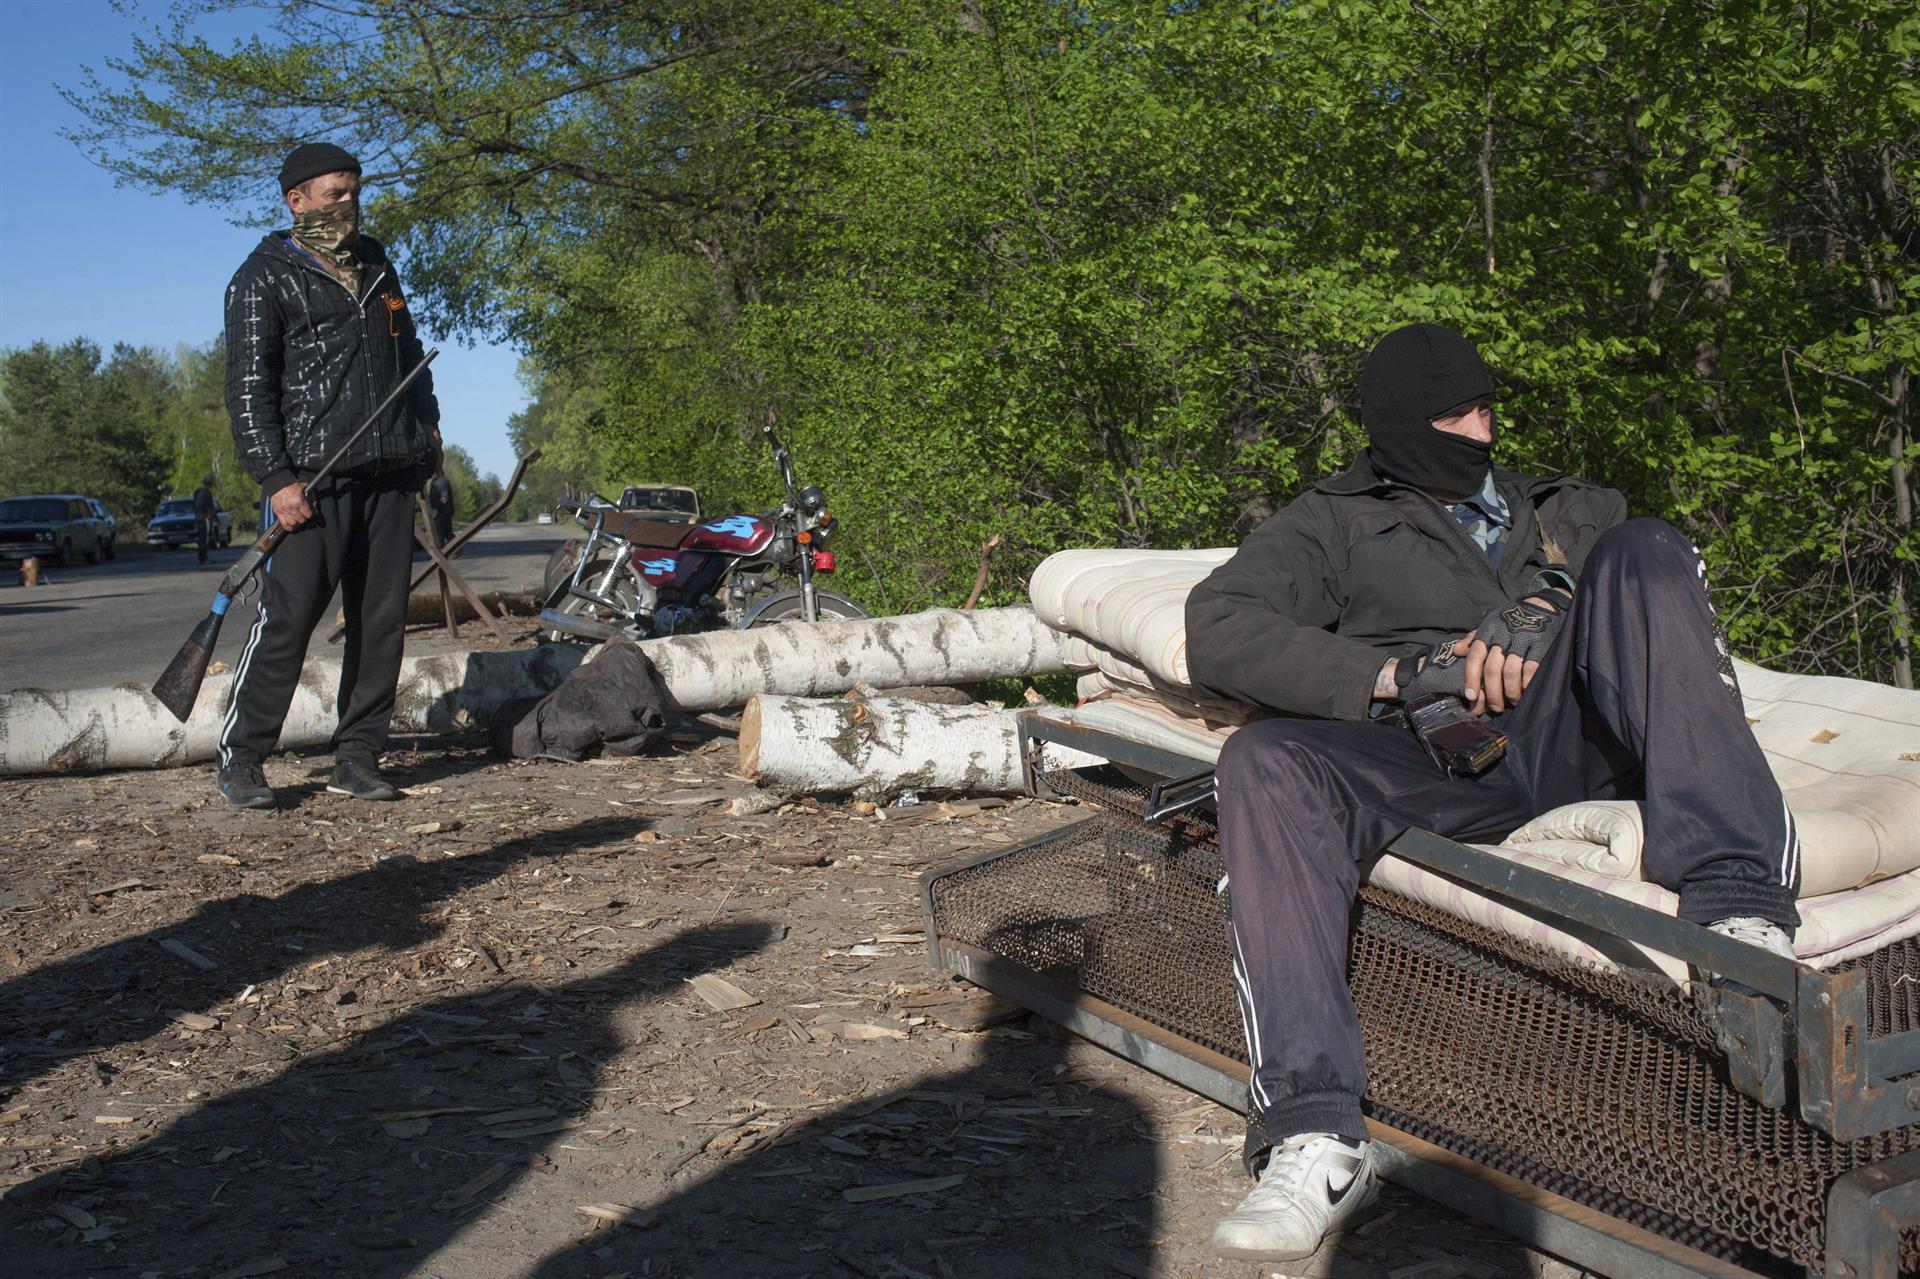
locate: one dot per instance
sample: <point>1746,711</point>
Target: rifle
<point>179,685</point>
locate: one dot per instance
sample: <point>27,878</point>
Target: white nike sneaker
<point>1313,1185</point>
<point>1755,931</point>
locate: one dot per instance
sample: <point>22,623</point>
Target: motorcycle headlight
<point>811,499</point>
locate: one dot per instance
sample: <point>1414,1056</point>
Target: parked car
<point>172,524</point>
<point>108,523</point>
<point>58,526</point>
<point>667,503</point>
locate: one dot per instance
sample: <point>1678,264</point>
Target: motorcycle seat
<point>644,532</point>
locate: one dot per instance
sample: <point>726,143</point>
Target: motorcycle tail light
<point>823,561</point>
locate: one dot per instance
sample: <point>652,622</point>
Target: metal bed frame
<point>1811,1025</point>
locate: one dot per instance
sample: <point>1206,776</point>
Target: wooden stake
<point>980,582</point>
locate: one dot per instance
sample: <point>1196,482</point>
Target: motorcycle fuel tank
<point>735,535</point>
<point>667,570</point>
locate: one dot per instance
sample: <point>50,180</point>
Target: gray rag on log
<point>614,703</point>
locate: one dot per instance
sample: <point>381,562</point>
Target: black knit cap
<point>311,160</point>
<point>1416,374</point>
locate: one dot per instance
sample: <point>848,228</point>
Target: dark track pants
<point>362,544</point>
<point>1631,703</point>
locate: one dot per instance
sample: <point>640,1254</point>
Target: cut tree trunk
<point>882,746</point>
<point>125,727</point>
<point>427,608</point>
<point>940,646</point>
<point>81,730</point>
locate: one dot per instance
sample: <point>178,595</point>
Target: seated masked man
<point>1587,638</point>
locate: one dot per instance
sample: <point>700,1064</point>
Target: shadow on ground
<point>305,1167</point>
<point>129,990</point>
<point>330,1168</point>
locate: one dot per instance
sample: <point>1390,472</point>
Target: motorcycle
<point>644,578</point>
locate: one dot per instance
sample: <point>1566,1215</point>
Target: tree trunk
<point>939,646</point>
<point>124,727</point>
<point>1486,162</point>
<point>1902,528</point>
<point>882,746</point>
<point>1886,297</point>
<point>425,608</point>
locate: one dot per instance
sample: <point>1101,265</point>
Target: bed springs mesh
<point>1603,1087</point>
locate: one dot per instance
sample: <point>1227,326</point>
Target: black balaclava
<point>1414,375</point>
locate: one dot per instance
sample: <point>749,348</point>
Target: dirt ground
<point>461,1036</point>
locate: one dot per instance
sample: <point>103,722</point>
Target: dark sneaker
<point>359,779</point>
<point>245,786</point>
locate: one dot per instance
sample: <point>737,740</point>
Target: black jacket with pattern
<point>1361,568</point>
<point>307,360</point>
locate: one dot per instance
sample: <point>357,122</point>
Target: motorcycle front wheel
<point>788,608</point>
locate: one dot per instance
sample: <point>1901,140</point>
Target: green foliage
<point>71,424</point>
<point>193,436</point>
<point>140,427</point>
<point>472,491</point>
<point>1104,273</point>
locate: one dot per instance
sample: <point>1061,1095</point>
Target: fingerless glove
<point>1438,670</point>
<point>1524,629</point>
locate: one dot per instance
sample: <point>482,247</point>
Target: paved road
<point>123,621</point>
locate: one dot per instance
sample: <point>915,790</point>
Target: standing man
<point>205,525</point>
<point>318,333</point>
<point>440,505</point>
<point>1587,638</point>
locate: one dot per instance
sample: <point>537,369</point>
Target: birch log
<point>940,646</point>
<point>424,607</point>
<point>124,727</point>
<point>43,731</point>
<point>884,745</point>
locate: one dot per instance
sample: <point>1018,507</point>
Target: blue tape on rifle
<point>221,604</point>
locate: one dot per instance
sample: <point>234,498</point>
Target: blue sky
<point>80,257</point>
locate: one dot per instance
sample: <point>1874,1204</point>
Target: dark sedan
<point>172,525</point>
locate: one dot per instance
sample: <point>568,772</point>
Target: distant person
<point>440,506</point>
<point>205,513</point>
<point>318,333</point>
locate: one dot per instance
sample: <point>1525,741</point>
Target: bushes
<point>1103,273</point>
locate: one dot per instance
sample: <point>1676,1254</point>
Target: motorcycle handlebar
<point>784,460</point>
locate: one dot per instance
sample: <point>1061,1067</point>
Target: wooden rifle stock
<point>179,685</point>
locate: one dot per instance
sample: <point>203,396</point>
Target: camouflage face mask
<point>330,234</point>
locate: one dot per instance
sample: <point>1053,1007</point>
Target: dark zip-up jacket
<point>1360,568</point>
<point>307,360</point>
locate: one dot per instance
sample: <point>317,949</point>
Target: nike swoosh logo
<point>1344,1170</point>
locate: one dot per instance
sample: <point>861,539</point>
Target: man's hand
<point>290,506</point>
<point>1501,665</point>
<point>1495,678</point>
